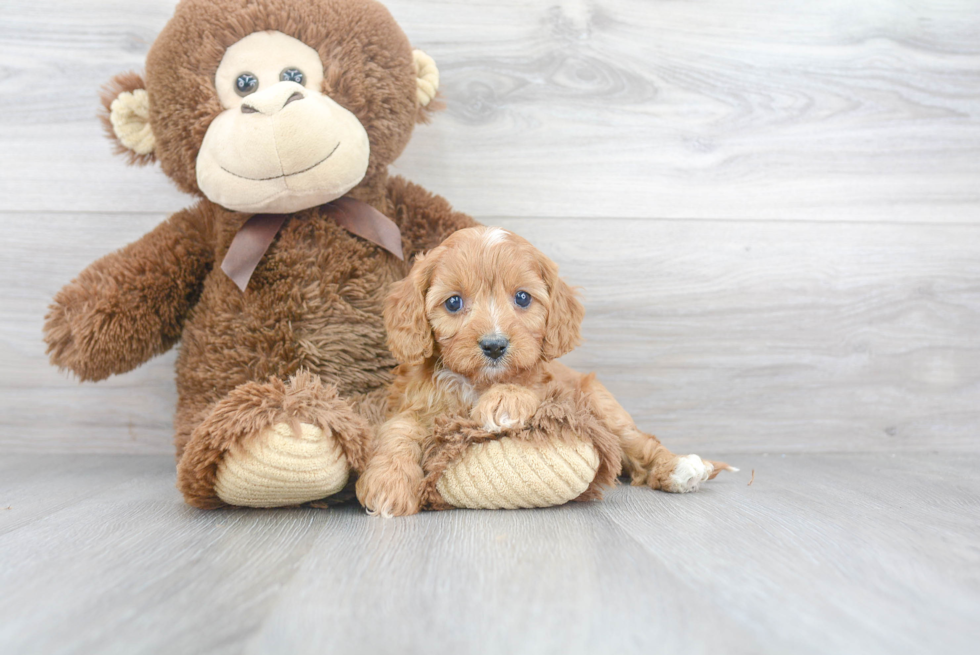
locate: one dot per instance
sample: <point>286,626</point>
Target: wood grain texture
<point>44,409</point>
<point>834,553</point>
<point>783,109</point>
<point>864,540</point>
<point>717,336</point>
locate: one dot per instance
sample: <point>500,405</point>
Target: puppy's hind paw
<point>499,423</point>
<point>690,471</point>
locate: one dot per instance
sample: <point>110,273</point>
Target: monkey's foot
<point>278,467</point>
<point>273,444</point>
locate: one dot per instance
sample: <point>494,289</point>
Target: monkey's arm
<point>131,304</point>
<point>424,218</point>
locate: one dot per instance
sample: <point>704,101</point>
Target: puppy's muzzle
<point>494,347</point>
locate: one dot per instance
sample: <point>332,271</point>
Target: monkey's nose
<point>494,347</point>
<point>274,99</point>
<point>293,98</point>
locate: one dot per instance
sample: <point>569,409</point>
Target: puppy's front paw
<point>388,493</point>
<point>505,406</point>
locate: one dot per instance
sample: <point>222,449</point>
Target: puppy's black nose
<point>494,347</point>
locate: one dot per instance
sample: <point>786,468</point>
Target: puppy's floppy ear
<point>126,118</point>
<point>565,314</point>
<point>409,334</point>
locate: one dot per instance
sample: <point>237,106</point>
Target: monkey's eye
<point>246,84</point>
<point>454,304</point>
<point>292,75</point>
<point>522,298</point>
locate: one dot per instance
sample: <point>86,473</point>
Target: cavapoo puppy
<point>477,326</point>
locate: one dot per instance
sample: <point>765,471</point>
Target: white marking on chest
<point>457,384</point>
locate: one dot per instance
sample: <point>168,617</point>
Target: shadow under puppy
<point>477,326</point>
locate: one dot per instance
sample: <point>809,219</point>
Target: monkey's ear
<point>126,118</point>
<point>410,337</point>
<point>426,86</point>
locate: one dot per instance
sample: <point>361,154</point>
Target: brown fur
<point>446,390</point>
<point>132,304</point>
<point>308,333</point>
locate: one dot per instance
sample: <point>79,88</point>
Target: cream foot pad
<point>508,474</point>
<point>278,468</point>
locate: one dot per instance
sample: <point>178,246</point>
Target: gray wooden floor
<point>821,554</point>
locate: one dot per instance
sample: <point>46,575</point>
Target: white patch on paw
<point>689,472</point>
<point>500,425</point>
<point>384,511</point>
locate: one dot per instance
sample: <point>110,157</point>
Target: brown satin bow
<point>256,235</point>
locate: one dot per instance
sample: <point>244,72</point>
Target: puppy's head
<point>487,302</point>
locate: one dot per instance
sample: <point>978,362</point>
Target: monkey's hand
<point>130,305</point>
<point>505,406</point>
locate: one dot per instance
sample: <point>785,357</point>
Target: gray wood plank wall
<point>773,207</point>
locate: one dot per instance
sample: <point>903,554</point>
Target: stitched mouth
<point>279,177</point>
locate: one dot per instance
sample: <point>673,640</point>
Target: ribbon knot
<point>254,237</point>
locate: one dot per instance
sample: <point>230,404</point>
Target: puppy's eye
<point>522,298</point>
<point>454,304</point>
<point>246,84</point>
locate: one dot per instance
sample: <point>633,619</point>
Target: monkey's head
<point>273,105</point>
